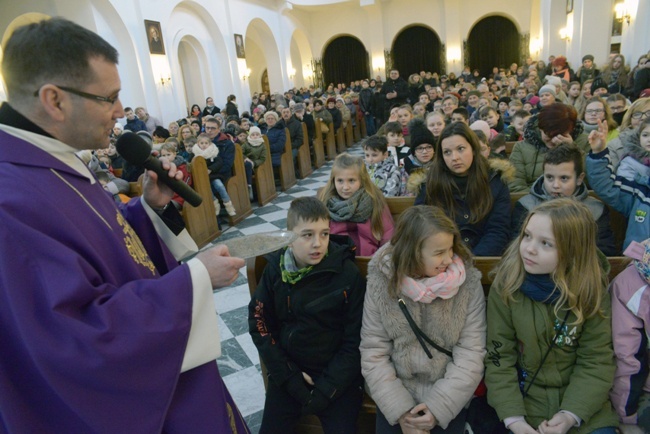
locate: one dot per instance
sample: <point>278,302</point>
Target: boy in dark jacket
<point>305,319</point>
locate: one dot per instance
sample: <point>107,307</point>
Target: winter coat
<point>257,154</point>
<point>385,175</point>
<point>308,120</point>
<point>629,191</point>
<point>361,233</point>
<point>295,131</point>
<point>398,373</point>
<point>277,140</point>
<point>231,109</point>
<point>400,86</point>
<point>135,125</point>
<point>365,100</point>
<point>528,156</point>
<point>323,115</point>
<point>337,118</point>
<point>630,331</point>
<point>412,175</point>
<point>312,326</point>
<point>576,376</point>
<point>538,194</point>
<point>489,236</point>
<point>227,155</point>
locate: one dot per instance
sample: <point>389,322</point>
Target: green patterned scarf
<point>290,271</point>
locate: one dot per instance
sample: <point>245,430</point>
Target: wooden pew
<point>357,132</point>
<point>287,170</point>
<point>362,124</point>
<point>201,221</point>
<point>237,188</point>
<point>330,143</point>
<point>509,146</point>
<point>263,178</point>
<point>366,421</point>
<point>398,205</point>
<point>304,156</point>
<point>340,140</point>
<point>319,151</point>
<point>349,135</point>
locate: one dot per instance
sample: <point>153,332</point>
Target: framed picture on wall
<point>239,45</point>
<point>569,6</point>
<point>154,36</point>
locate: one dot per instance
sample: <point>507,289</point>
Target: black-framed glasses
<point>639,115</point>
<point>422,149</point>
<point>85,94</point>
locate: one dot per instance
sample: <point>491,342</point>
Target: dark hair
<point>308,209</point>
<point>440,184</point>
<point>231,97</point>
<point>127,109</point>
<point>521,114</point>
<point>54,50</point>
<point>565,154</point>
<point>557,118</point>
<point>376,143</point>
<point>161,132</point>
<point>461,111</point>
<point>393,127</point>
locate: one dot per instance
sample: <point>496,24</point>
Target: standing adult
<point>210,108</point>
<point>102,330</point>
<point>395,91</point>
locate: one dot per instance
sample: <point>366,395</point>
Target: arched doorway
<point>493,41</point>
<point>345,59</point>
<point>416,48</point>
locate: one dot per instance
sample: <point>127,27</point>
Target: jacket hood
<point>533,135</point>
<point>632,146</point>
<point>416,179</point>
<point>503,167</point>
<point>538,190</point>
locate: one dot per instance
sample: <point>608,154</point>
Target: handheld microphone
<point>137,151</point>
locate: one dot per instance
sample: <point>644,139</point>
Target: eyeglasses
<point>594,111</point>
<point>85,94</point>
<point>639,115</point>
<point>423,149</point>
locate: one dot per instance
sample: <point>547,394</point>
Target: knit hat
<point>505,99</point>
<point>598,83</point>
<point>298,107</point>
<point>534,100</point>
<point>254,130</point>
<point>473,92</point>
<point>119,126</point>
<point>640,252</point>
<point>553,80</point>
<point>587,57</point>
<point>420,134</point>
<point>481,126</point>
<point>547,88</point>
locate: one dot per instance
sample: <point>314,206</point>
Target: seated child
<point>305,320</point>
<point>254,151</point>
<point>515,131</point>
<point>397,148</point>
<point>381,168</point>
<point>356,205</point>
<point>208,150</point>
<point>168,150</point>
<point>460,114</point>
<point>414,171</point>
<point>630,331</point>
<point>564,177</point>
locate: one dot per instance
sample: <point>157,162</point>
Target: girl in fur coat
<point>423,282</point>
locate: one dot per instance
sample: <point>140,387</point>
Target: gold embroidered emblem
<point>134,245</point>
<point>231,417</point>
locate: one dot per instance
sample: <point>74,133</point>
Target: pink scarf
<point>444,285</point>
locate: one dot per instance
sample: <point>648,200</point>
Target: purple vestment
<point>94,319</point>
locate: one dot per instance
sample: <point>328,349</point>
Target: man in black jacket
<point>395,91</point>
<point>293,124</point>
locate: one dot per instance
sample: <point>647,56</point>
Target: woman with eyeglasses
<point>637,113</point>
<point>470,190</point>
<point>596,109</point>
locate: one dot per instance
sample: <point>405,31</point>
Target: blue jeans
<point>605,430</point>
<point>370,125</point>
<point>219,190</point>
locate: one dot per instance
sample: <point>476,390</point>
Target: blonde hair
<point>346,161</point>
<point>412,229</point>
<point>579,277</point>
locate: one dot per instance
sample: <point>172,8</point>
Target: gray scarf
<point>356,209</point>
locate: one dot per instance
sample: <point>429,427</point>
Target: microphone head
<point>133,148</point>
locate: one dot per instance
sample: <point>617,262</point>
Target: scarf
<point>290,271</point>
<point>356,209</point>
<point>540,287</point>
<point>444,285</point>
<point>209,153</point>
<point>640,252</point>
<point>588,128</point>
<point>255,142</point>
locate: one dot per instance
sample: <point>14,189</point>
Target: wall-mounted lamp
<point>565,34</point>
<point>164,81</point>
<point>622,11</point>
<point>292,73</point>
<point>246,74</point>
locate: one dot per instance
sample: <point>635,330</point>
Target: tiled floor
<point>239,363</point>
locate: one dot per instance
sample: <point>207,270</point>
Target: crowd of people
<point>559,349</point>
